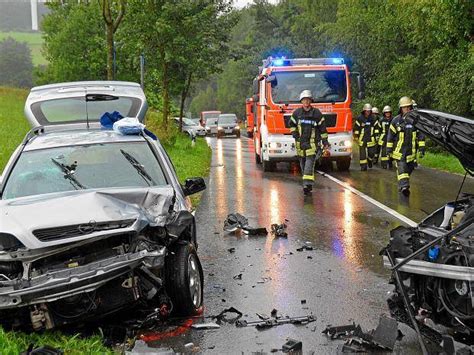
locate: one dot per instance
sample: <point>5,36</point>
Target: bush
<point>16,65</point>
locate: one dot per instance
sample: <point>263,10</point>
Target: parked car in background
<point>205,115</point>
<point>190,127</point>
<point>227,125</point>
<point>211,126</point>
<point>93,221</point>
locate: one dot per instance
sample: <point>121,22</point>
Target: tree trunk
<point>184,95</point>
<point>166,98</point>
<point>110,50</point>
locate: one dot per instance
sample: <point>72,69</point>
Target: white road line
<point>370,199</point>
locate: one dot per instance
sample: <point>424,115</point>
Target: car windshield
<point>129,164</point>
<point>227,119</point>
<point>211,122</point>
<point>73,109</point>
<point>325,85</point>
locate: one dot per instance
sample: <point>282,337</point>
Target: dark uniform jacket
<point>384,125</point>
<point>403,139</point>
<point>309,129</point>
<point>366,130</point>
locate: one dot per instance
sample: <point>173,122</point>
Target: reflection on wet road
<point>340,281</point>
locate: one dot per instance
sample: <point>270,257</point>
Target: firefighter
<point>376,118</point>
<point>384,124</point>
<point>403,142</point>
<point>365,132</point>
<point>309,130</point>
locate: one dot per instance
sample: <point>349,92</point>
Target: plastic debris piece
<point>274,312</point>
<point>203,326</point>
<point>292,345</point>
<point>279,230</point>
<point>237,277</point>
<point>221,317</point>
<point>231,250</point>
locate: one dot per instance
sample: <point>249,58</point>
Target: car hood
<point>454,133</point>
<point>48,220</point>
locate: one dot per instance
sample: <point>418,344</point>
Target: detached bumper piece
<point>81,279</point>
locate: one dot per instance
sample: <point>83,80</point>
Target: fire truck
<point>249,109</point>
<point>276,93</point>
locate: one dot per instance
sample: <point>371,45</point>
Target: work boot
<point>390,165</point>
<point>307,189</point>
<point>363,168</point>
<point>383,165</point>
<point>405,191</point>
<point>369,162</point>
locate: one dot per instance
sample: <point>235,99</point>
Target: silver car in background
<point>191,128</point>
<point>93,221</point>
<point>227,125</point>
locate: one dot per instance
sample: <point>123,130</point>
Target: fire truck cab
<point>277,89</point>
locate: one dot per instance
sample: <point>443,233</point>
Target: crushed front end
<point>435,266</point>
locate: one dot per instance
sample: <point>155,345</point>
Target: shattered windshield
<point>325,85</point>
<point>84,167</point>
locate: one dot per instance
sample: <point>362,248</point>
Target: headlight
<point>237,127</point>
<point>348,143</point>
<point>219,128</point>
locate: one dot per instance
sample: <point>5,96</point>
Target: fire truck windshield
<point>325,85</point>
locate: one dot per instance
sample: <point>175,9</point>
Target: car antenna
<point>87,112</point>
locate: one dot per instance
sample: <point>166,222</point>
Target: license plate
<point>228,131</point>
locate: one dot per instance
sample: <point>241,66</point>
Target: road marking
<point>370,199</point>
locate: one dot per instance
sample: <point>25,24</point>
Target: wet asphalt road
<point>342,279</point>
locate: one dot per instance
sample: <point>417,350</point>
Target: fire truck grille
<point>330,119</point>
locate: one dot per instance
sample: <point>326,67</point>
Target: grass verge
<point>442,161</point>
<point>34,41</point>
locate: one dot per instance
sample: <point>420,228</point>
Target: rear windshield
<point>211,122</point>
<point>73,109</point>
<point>127,164</point>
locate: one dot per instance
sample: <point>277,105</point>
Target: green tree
<point>16,66</point>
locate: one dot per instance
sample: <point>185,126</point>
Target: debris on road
<point>231,250</point>
<point>382,338</point>
<point>204,326</point>
<point>269,323</point>
<point>292,345</point>
<point>221,317</point>
<point>305,247</point>
<point>279,230</point>
<point>237,221</point>
<point>237,277</point>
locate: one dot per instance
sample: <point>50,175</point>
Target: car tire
<point>343,164</point>
<point>184,280</point>
<point>268,166</point>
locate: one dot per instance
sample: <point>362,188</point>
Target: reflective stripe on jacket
<point>384,125</point>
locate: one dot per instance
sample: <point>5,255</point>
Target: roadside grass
<point>34,41</point>
<point>442,161</point>
<point>17,342</point>
<point>12,121</point>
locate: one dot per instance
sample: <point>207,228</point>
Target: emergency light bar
<point>279,62</point>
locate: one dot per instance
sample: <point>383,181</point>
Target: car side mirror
<point>193,185</point>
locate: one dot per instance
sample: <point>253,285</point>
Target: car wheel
<point>184,278</point>
<point>343,164</point>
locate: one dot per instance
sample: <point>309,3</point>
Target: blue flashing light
<point>279,62</point>
<point>337,60</point>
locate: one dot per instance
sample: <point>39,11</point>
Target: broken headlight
<point>9,242</point>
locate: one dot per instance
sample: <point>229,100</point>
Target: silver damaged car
<point>93,221</point>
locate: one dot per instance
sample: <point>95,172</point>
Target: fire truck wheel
<point>343,164</point>
<point>268,166</point>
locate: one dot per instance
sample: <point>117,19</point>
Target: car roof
<point>71,137</point>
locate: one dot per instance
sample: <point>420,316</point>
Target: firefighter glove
<point>305,145</point>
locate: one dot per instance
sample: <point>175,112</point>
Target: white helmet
<point>375,110</point>
<point>367,107</point>
<point>387,109</point>
<point>306,94</point>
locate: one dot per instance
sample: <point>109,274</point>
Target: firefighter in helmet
<point>376,118</point>
<point>384,124</point>
<point>365,132</point>
<point>403,143</point>
<point>309,130</point>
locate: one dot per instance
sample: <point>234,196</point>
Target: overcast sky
<point>242,3</point>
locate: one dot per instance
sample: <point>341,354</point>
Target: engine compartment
<point>441,303</point>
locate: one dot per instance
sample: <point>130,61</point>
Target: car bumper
<point>71,281</point>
